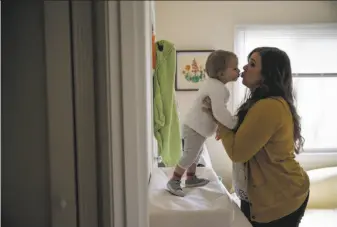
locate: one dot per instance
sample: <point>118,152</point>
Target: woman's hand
<point>207,103</point>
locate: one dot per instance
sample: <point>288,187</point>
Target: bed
<point>211,205</point>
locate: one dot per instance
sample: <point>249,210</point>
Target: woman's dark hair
<point>277,82</point>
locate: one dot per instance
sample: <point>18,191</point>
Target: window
<point>313,53</point>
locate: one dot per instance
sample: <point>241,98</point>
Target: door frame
<point>123,97</point>
<point>61,130</point>
<point>82,51</point>
<point>99,91</point>
<point>71,113</point>
<point>136,56</point>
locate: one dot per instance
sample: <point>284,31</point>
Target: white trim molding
<point>123,85</point>
<point>84,111</point>
<point>105,71</point>
<point>137,111</point>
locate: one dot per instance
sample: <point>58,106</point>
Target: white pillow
<point>323,188</point>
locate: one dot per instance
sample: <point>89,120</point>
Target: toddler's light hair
<point>217,62</point>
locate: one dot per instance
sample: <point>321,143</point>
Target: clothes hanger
<point>160,47</point>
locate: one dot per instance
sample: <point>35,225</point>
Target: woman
<point>266,138</point>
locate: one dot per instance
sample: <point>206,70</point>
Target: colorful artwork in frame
<point>190,71</point>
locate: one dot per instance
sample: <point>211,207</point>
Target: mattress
<point>210,205</point>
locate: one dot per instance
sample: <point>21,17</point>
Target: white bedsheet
<point>208,206</point>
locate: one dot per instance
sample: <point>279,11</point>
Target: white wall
<point>210,25</point>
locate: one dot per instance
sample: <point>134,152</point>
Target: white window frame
<point>238,41</point>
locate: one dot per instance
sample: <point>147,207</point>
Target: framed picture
<point>190,72</point>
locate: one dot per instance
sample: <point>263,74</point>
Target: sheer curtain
<point>313,53</point>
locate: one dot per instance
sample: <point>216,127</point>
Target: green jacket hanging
<point>166,120</point>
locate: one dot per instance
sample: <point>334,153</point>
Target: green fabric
<point>166,120</point>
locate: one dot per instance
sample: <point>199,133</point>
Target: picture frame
<point>190,69</point>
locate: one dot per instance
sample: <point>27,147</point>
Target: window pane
<point>283,43</point>
<point>316,104</point>
<point>311,50</point>
<point>240,92</point>
<point>315,55</point>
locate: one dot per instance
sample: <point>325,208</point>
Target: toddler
<point>221,67</point>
